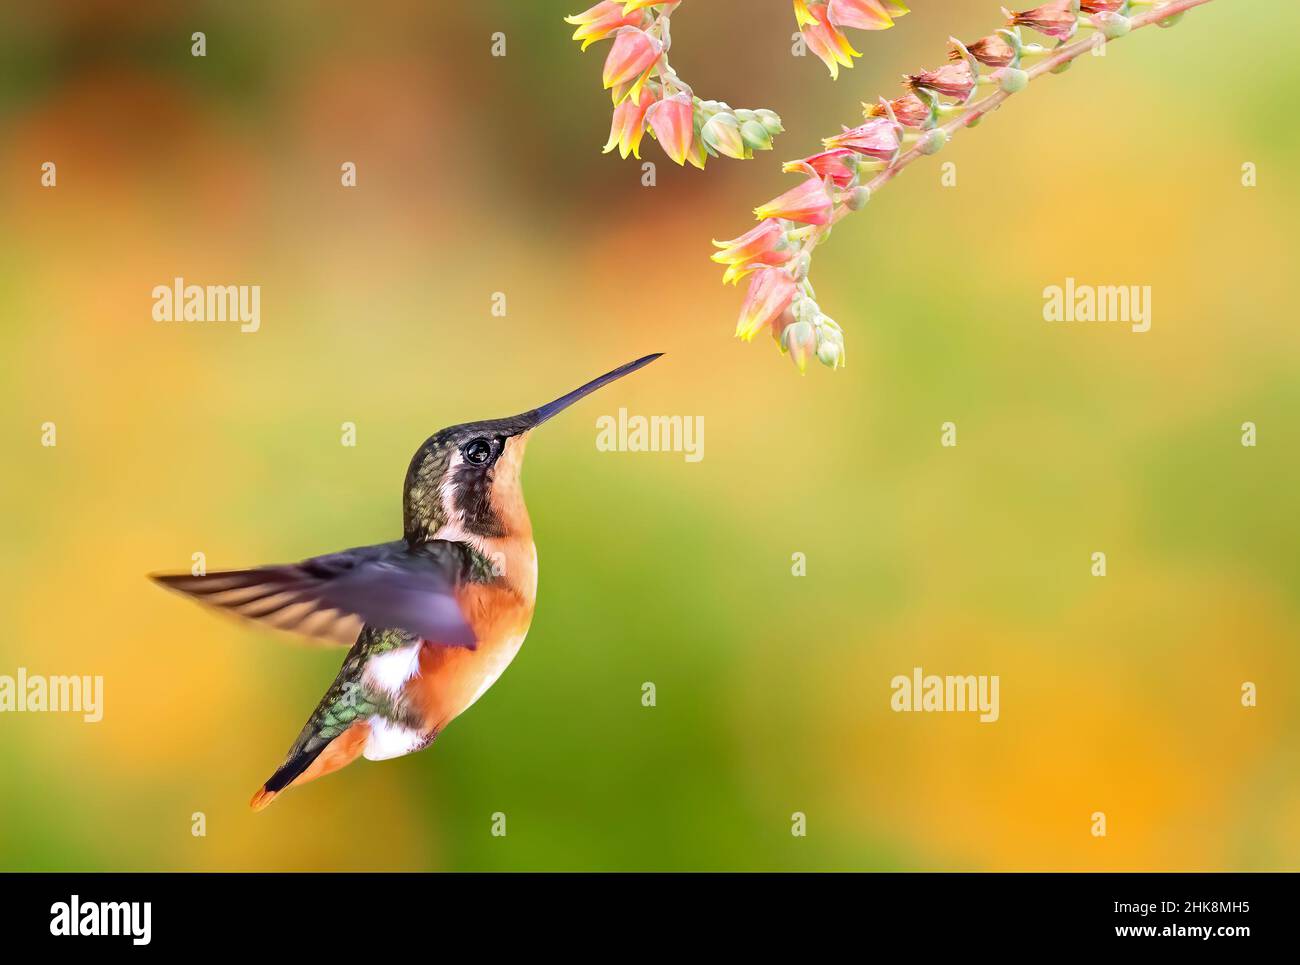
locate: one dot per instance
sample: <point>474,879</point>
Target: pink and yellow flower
<point>809,203</point>
<point>690,130</point>
<point>839,166</point>
<point>822,24</point>
<point>995,50</point>
<point>600,21</point>
<point>877,138</point>
<point>1058,19</point>
<point>951,80</point>
<point>911,110</point>
<point>628,127</point>
<point>770,293</point>
<point>763,246</point>
<point>859,14</point>
<point>632,58</point>
<point>673,121</point>
<point>825,39</point>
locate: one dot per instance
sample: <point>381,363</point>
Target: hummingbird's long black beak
<point>535,418</point>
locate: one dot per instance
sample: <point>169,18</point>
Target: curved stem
<point>1061,55</point>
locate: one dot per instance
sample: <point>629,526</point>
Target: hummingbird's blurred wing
<point>390,585</point>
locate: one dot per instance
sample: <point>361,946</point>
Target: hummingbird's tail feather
<point>308,765</point>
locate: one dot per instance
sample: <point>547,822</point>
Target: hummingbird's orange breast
<point>499,612</point>
<point>452,678</point>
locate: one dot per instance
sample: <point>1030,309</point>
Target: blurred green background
<point>481,174</point>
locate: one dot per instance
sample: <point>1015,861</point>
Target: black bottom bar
<point>303,913</point>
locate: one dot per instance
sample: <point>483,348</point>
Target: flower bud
<point>933,141</point>
<point>755,135</point>
<point>999,49</point>
<point>956,80</point>
<point>800,340</point>
<point>830,353</point>
<point>770,120</point>
<point>1013,80</point>
<point>1057,19</point>
<point>1112,25</point>
<point>917,108</point>
<point>722,133</point>
<point>858,198</point>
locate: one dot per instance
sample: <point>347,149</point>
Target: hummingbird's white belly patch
<point>390,671</point>
<point>388,740</point>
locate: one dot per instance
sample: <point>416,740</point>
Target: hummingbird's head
<point>466,477</point>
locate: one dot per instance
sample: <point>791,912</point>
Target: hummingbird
<point>433,618</point>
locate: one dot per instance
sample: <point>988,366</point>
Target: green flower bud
<point>858,197</point>
<point>745,115</point>
<point>830,354</point>
<point>771,120</point>
<point>1112,25</point>
<point>800,331</point>
<point>755,135</point>
<point>933,141</point>
<point>721,132</point>
<point>800,340</point>
<point>1061,68</point>
<point>1013,80</point>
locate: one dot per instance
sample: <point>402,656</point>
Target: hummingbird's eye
<point>478,451</point>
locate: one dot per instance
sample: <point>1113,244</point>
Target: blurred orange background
<point>479,174</point>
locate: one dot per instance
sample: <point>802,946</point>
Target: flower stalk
<point>978,78</point>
